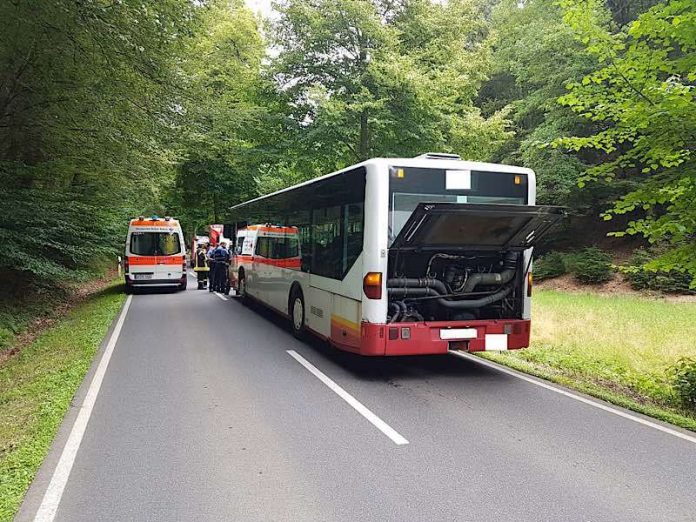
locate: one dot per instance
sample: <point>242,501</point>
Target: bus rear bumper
<point>423,338</point>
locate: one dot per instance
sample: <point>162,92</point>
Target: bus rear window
<point>155,244</point>
<point>409,186</point>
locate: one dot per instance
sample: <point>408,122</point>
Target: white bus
<point>397,256</point>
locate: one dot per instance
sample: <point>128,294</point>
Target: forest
<point>114,108</point>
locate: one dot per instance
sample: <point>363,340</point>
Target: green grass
<point>618,348</point>
<point>21,301</point>
<point>37,385</point>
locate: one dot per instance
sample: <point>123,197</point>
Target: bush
<point>590,266</point>
<point>640,278</point>
<point>549,266</point>
<point>683,375</point>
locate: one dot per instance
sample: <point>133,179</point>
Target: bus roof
<point>423,161</point>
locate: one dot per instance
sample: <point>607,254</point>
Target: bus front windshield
<point>409,186</point>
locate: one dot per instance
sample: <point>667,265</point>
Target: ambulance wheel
<point>182,286</point>
<point>129,290</point>
<point>241,287</point>
<point>297,312</point>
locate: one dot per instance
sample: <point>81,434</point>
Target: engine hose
<point>476,303</point>
<point>494,278</point>
<point>404,308</point>
<point>399,283</point>
<point>427,286</point>
<point>394,316</point>
<point>456,304</point>
<point>403,292</point>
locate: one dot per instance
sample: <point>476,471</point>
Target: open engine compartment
<point>454,285</point>
<point>461,261</point>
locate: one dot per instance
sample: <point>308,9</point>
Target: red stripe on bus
<point>293,263</point>
<point>263,228</point>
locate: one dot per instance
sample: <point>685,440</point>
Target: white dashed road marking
<point>357,405</point>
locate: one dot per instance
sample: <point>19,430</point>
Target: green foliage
<point>590,266</point>
<point>683,375</point>
<point>172,106</point>
<point>56,236</point>
<point>643,278</point>
<point>533,56</point>
<point>549,266</point>
<point>231,119</point>
<point>640,99</point>
<point>87,97</point>
<point>368,78</point>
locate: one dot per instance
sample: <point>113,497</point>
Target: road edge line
<point>352,401</point>
<point>51,500</point>
<point>591,402</point>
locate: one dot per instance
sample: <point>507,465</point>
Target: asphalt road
<point>204,415</point>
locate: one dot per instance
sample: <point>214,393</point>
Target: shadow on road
<point>144,290</point>
<point>384,368</point>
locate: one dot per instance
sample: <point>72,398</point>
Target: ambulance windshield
<point>155,244</point>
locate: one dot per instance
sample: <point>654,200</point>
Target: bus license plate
<point>458,333</point>
<point>142,276</point>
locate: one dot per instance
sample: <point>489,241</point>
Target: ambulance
<point>155,254</point>
<point>260,254</point>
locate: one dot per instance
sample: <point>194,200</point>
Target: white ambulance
<point>155,254</point>
<point>260,254</point>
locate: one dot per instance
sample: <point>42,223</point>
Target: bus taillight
<point>529,284</point>
<point>372,285</point>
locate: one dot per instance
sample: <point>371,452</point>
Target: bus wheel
<point>297,313</point>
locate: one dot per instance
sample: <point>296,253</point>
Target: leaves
<point>87,92</point>
<point>371,79</point>
<point>640,90</point>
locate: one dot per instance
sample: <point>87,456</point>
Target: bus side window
<point>303,222</point>
<point>353,215</point>
<point>326,242</point>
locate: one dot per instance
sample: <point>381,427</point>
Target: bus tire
<point>296,311</point>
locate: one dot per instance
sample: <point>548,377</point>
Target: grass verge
<point>617,348</point>
<point>37,385</point>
